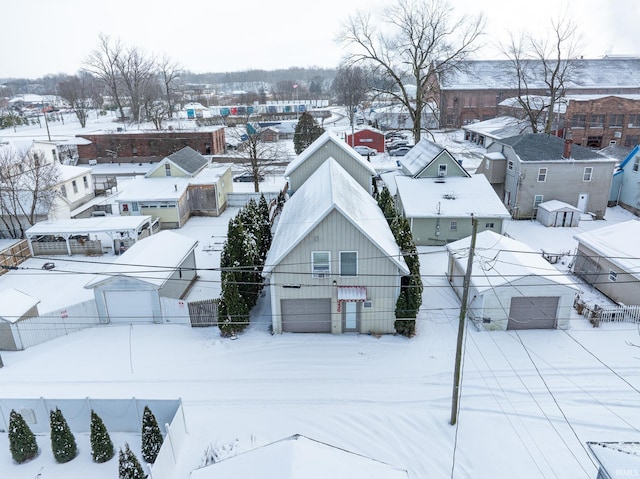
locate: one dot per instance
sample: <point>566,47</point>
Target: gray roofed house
<point>421,161</point>
<point>526,170</point>
<point>188,160</point>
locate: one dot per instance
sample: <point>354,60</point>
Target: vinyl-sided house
<point>526,170</point>
<point>430,160</point>
<point>129,290</point>
<point>329,145</point>
<point>617,459</point>
<point>511,285</point>
<point>625,186</point>
<point>334,265</point>
<point>180,186</point>
<point>609,259</point>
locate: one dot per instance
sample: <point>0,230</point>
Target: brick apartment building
<point>475,91</point>
<point>151,144</point>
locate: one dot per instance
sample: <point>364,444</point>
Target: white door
<point>350,316</point>
<point>583,200</point>
<point>129,306</point>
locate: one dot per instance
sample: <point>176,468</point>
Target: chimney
<point>568,142</point>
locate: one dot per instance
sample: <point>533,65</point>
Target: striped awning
<point>352,293</point>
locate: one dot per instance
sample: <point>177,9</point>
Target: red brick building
<point>151,144</point>
<point>367,137</point>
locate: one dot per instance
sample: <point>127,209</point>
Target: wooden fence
<point>14,255</point>
<point>204,313</point>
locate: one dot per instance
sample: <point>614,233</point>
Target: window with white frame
<point>613,276</point>
<point>510,165</point>
<point>537,199</point>
<point>588,173</point>
<point>167,169</point>
<point>442,170</point>
<point>321,264</point>
<point>542,175</point>
<point>85,182</point>
<point>348,263</point>
<point>453,226</point>
<point>636,164</point>
<point>63,190</point>
<point>488,225</point>
<point>74,185</point>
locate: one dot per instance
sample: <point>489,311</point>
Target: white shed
<point>512,286</point>
<point>15,306</point>
<point>558,213</point>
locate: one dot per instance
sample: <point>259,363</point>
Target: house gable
<point>183,163</point>
<point>443,165</point>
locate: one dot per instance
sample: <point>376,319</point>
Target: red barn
<point>368,137</point>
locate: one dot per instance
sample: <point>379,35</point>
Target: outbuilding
<point>370,137</point>
<point>15,306</point>
<point>512,287</point>
<point>558,213</point>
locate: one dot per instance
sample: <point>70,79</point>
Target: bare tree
<point>80,91</point>
<point>137,71</point>
<point>412,42</point>
<point>103,64</point>
<point>284,90</point>
<point>350,87</point>
<point>544,62</point>
<point>28,189</point>
<point>169,72</point>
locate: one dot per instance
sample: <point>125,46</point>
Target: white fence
<point>618,314</point>
<point>242,199</point>
<point>174,311</point>
<point>70,319</point>
<point>174,440</point>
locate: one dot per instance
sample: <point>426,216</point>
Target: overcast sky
<point>40,37</point>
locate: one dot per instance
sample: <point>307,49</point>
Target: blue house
<point>625,186</point>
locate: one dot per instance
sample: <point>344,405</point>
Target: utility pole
<point>461,324</point>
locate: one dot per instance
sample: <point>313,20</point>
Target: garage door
<point>129,306</point>
<point>306,315</point>
<point>540,312</point>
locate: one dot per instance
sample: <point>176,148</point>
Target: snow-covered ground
<point>529,400</point>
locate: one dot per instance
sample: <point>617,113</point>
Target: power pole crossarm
<point>461,323</point>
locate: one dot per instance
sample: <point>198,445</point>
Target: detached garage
<point>15,306</point>
<point>129,290</point>
<point>512,287</point>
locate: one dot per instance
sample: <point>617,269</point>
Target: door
<point>129,306</point>
<point>533,312</point>
<point>306,315</point>
<point>583,201</point>
<point>350,318</point>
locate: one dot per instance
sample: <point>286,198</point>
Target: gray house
<point>15,306</point>
<point>625,186</point>
<point>328,145</point>
<point>129,290</point>
<point>526,170</point>
<point>609,259</point>
<point>430,160</point>
<point>334,265</point>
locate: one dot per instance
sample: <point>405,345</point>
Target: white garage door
<point>306,315</point>
<point>129,307</point>
<point>539,312</point>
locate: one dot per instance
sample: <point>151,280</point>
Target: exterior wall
<point>495,170</point>
<point>625,290</point>
<point>628,194</point>
<point>424,229</point>
<point>443,158</point>
<point>161,172</point>
<point>369,138</point>
<point>330,150</point>
<point>123,283</point>
<point>554,218</point>
<point>160,144</point>
<point>172,215</point>
<point>626,134</point>
<point>181,279</point>
<point>564,182</point>
<point>379,275</point>
<point>84,193</point>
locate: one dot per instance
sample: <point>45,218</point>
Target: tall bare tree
<point>546,62</point>
<point>137,71</point>
<point>103,63</point>
<point>80,91</point>
<point>350,87</point>
<point>169,72</point>
<point>411,41</point>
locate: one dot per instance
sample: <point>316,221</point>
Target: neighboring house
<point>334,265</point>
<point>511,285</point>
<point>484,133</point>
<point>609,259</point>
<point>556,213</point>
<point>371,137</point>
<point>526,170</point>
<point>61,150</point>
<point>129,289</point>
<point>430,160</point>
<point>616,460</point>
<point>625,185</point>
<point>328,145</point>
<point>14,307</point>
<point>299,457</point>
<point>75,187</point>
<point>178,187</point>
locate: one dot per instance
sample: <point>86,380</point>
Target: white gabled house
<point>329,145</point>
<point>511,285</point>
<point>334,265</point>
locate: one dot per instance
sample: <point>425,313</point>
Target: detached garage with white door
<point>512,286</point>
<point>129,290</point>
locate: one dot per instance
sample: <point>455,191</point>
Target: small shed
<point>558,213</point>
<point>130,289</point>
<point>15,306</point>
<point>367,137</point>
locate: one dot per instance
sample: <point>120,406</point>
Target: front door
<point>583,201</point>
<point>350,318</point>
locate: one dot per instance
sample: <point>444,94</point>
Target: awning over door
<point>351,294</point>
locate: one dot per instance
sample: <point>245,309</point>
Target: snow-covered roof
<point>557,205</point>
<point>617,456</point>
<point>618,243</point>
<point>168,188</point>
<point>331,188</point>
<point>152,259</point>
<point>500,127</point>
<point>319,143</point>
<point>389,179</point>
<point>543,147</point>
<point>210,175</point>
<point>68,172</point>
<point>420,156</point>
<point>14,304</point>
<point>74,140</point>
<point>455,196</point>
<point>187,159</point>
<point>299,457</point>
<point>499,260</point>
<point>98,224</point>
